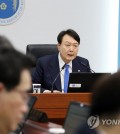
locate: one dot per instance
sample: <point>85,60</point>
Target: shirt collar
<point>61,62</point>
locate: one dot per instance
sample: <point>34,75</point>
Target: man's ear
<point>2,87</point>
<point>58,46</point>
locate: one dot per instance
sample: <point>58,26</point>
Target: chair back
<point>39,50</point>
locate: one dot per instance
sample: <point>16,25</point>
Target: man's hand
<point>56,91</point>
<point>47,91</point>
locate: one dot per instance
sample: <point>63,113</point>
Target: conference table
<point>32,127</point>
<point>55,105</point>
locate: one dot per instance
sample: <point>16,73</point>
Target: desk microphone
<point>57,77</point>
<point>87,67</point>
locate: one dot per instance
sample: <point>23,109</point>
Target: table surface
<point>32,127</point>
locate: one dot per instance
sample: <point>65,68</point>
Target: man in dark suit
<point>66,61</point>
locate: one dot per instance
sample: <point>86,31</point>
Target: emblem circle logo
<point>10,11</point>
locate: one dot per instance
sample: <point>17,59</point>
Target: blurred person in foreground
<point>4,42</point>
<point>15,81</point>
<point>105,110</point>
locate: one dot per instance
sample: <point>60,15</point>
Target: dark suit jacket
<point>47,69</point>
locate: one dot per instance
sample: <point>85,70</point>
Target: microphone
<point>87,67</point>
<point>57,77</point>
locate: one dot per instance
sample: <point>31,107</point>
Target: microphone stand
<point>87,67</point>
<point>57,77</point>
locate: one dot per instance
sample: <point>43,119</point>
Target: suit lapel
<point>54,71</point>
<point>75,65</point>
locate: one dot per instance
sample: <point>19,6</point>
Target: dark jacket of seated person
<point>47,69</point>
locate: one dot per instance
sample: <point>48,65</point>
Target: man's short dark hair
<point>69,32</point>
<point>12,63</point>
<point>106,96</point>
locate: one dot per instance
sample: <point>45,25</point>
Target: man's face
<point>14,103</point>
<point>68,48</point>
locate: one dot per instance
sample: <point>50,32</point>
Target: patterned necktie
<point>66,78</point>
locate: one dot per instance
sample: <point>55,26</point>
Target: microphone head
<point>63,66</point>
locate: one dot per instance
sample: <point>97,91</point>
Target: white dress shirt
<point>61,64</point>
